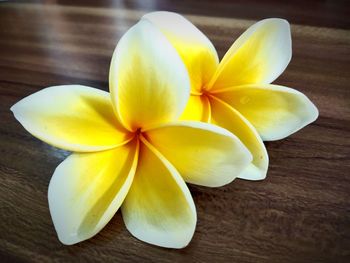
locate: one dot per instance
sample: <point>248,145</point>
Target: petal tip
<point>156,13</point>
<point>252,173</point>
<point>168,242</point>
<point>13,107</point>
<point>310,110</point>
<point>66,240</point>
<point>314,112</point>
<point>281,21</point>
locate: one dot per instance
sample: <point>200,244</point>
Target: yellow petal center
<point>139,134</point>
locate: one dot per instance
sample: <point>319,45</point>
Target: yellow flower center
<point>138,134</point>
<point>202,92</point>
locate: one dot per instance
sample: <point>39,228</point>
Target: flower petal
<point>195,49</point>
<point>87,189</point>
<point>159,208</point>
<point>230,119</point>
<point>148,81</point>
<point>275,111</point>
<point>72,117</point>
<point>197,109</point>
<point>203,153</point>
<point>259,55</point>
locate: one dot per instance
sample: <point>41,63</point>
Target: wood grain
<point>300,213</point>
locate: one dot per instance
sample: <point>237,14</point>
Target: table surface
<point>300,213</point>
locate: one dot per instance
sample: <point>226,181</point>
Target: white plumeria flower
<point>130,149</point>
<point>236,93</point>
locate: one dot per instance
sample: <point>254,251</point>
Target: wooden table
<point>300,213</point>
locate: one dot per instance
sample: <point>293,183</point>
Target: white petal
<point>159,208</point>
<point>275,111</point>
<point>229,118</point>
<point>258,56</point>
<point>72,117</point>
<point>148,81</point>
<point>195,49</point>
<point>87,189</point>
<point>203,153</point>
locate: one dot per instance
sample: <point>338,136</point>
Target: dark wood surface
<point>300,213</point>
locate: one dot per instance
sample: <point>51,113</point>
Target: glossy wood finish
<point>300,213</point>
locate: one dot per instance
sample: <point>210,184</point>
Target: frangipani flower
<point>236,93</point>
<point>130,149</point>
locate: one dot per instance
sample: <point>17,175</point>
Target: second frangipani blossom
<point>236,93</point>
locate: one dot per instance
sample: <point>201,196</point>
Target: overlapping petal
<point>275,111</point>
<point>159,208</point>
<point>197,109</point>
<point>195,49</point>
<point>148,82</point>
<point>230,119</point>
<point>88,188</point>
<point>203,153</point>
<point>71,117</point>
<point>259,55</point>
